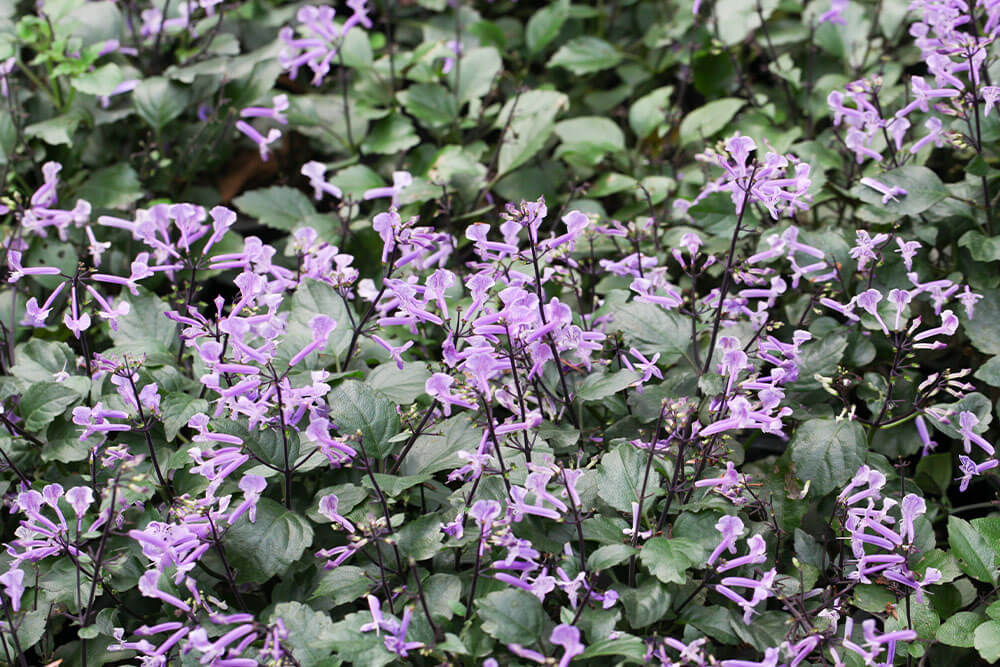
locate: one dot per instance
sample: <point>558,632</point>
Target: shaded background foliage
<point>600,108</point>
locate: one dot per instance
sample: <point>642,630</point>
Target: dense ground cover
<point>499,333</point>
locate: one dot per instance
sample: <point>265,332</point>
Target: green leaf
<point>431,103</point>
<point>975,556</point>
<point>610,183</point>
<point>39,360</point>
<point>596,387</point>
<point>281,207</point>
<point>43,402</point>
<point>650,111</point>
<point>438,450</point>
<point>266,442</point>
<point>652,330</point>
<point>310,632</point>
<point>583,55</point>
<point>982,248</point>
<point>101,81</point>
<point>827,453</point>
<point>923,190</point>
<point>621,647</point>
<point>476,74</point>
<point>741,18</point>
<point>357,50</point>
<point>177,409</point>
<point>986,639</point>
<point>116,186</point>
<point>982,329</point>
<point>401,385</point>
<point>610,555</point>
<point>393,134</point>
<point>934,473</point>
<point>354,647</point>
<point>145,330</point>
<point>442,590</point>
<point>989,372</point>
<point>705,122</point>
<point>420,538</point>
<point>958,630</point>
<point>619,477</point>
<point>159,101</point>
<point>355,407</point>
<point>647,604</point>
<point>668,559</point>
<point>30,628</point>
<point>531,116</point>
<point>56,131</point>
<point>545,24</point>
<point>343,584</point>
<point>512,616</point>
<point>601,134</point>
<point>268,546</point>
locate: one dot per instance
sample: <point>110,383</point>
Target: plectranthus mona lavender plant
<point>374,347</point>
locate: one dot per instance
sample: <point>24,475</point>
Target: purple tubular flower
<point>148,586</point>
<point>732,529</point>
<point>835,13</point>
<point>568,637</point>
<point>13,586</point>
<point>889,193</point>
<point>261,141</point>
<point>770,660</point>
<point>252,486</point>
<point>400,181</point>
<point>328,508</point>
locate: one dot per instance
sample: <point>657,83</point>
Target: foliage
<point>499,333</point>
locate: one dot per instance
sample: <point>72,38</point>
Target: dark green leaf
<point>609,555</point>
<point>268,546</point>
<point>620,647</point>
<point>647,604</point>
<point>436,451</point>
<point>310,633</point>
<point>650,111</point>
<point>583,55</point>
<point>703,123</point>
<point>597,387</point>
<point>545,24</point>
<point>101,81</point>
<point>281,207</point>
<point>343,584</point>
<point>975,556</point>
<point>827,453</point>
<point>652,329</point>
<point>512,616</point>
<point>357,408</point>
<point>116,186</point>
<point>530,126</point>
<point>177,409</point>
<point>393,134</point>
<point>359,648</point>
<point>668,559</point>
<point>429,102</point>
<point>620,476</point>
<point>986,639</point>
<point>958,630</point>
<point>159,101</point>
<point>43,402</point>
<point>420,538</point>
